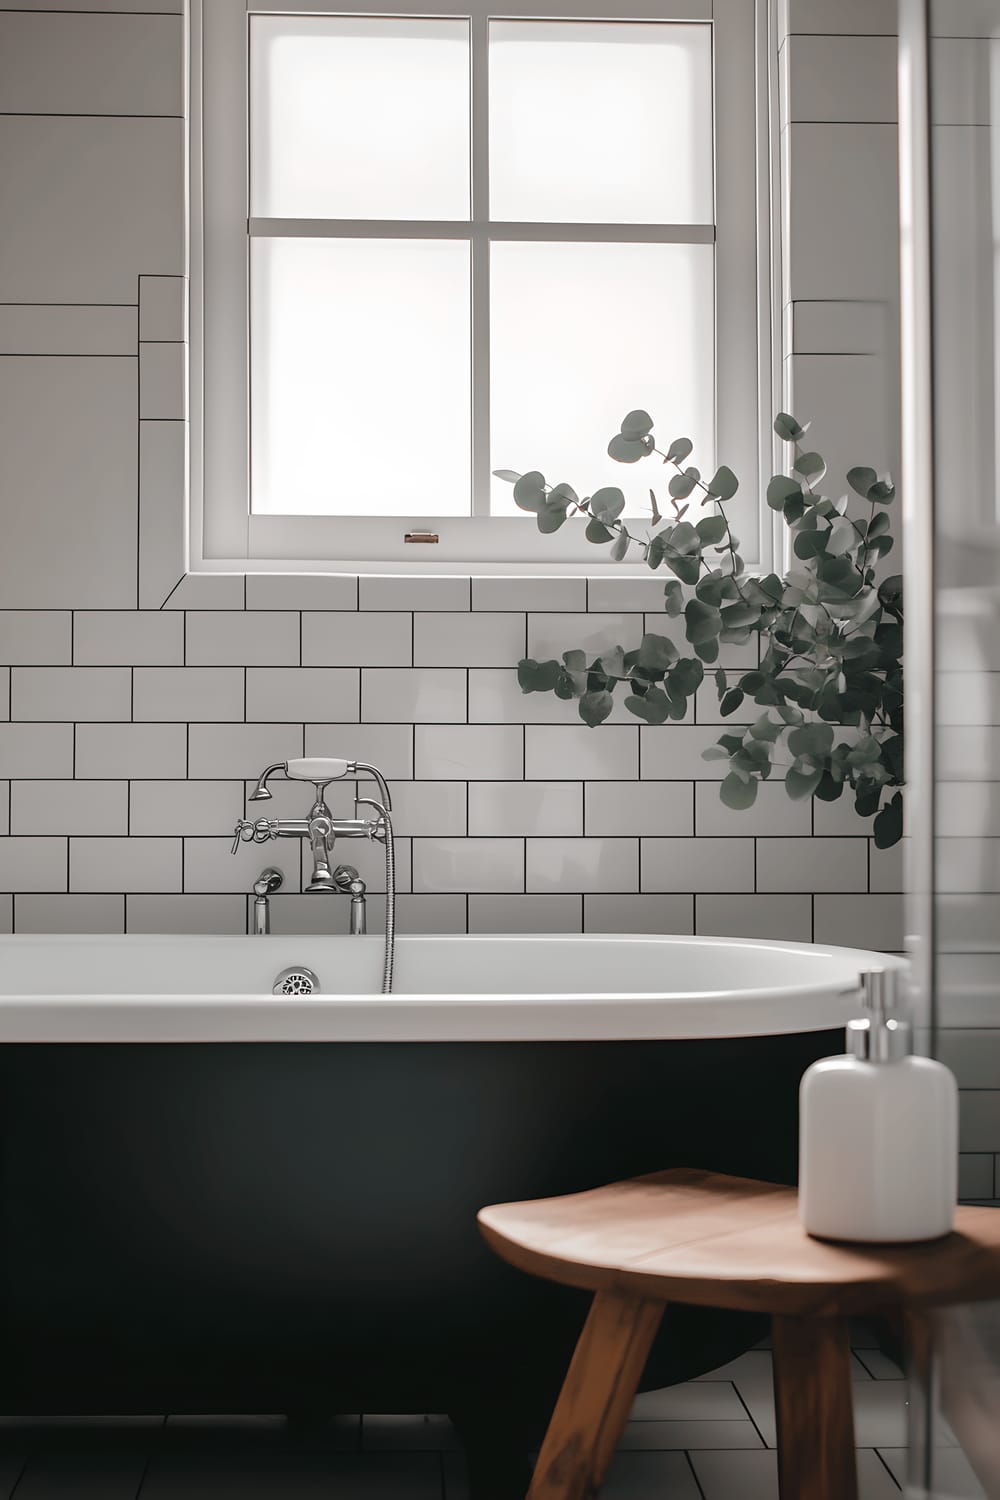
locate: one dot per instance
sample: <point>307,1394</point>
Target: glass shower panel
<point>950,140</point>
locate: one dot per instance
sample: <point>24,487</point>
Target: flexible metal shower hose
<point>390,905</point>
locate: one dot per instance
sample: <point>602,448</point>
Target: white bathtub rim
<point>800,1006</point>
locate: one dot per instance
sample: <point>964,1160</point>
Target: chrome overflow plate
<point>298,980</point>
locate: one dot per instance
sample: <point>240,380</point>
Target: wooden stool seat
<point>702,1238</point>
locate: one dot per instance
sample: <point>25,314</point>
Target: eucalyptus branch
<point>830,658</point>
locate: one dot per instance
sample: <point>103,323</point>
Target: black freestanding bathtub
<point>217,1200</point>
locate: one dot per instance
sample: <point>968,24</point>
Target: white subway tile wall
<point>143,725</point>
<point>141,768</point>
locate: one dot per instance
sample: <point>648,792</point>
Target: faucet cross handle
<point>376,826</point>
<point>247,832</point>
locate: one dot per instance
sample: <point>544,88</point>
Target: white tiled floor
<point>712,1439</point>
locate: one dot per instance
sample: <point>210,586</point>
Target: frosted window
<point>595,122</point>
<point>360,377</point>
<point>580,334</point>
<point>359,118</point>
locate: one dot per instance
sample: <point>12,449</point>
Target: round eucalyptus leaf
<point>673,597</point>
<point>712,529</point>
<point>809,544</point>
<point>811,739</point>
<point>571,685</point>
<point>656,551</point>
<point>702,621</point>
<point>656,652</point>
<point>679,450</point>
<point>653,707</point>
<point>550,518</point>
<point>811,466</point>
<point>838,573</point>
<point>607,504</point>
<point>687,569</point>
<point>529,491</point>
<point>597,532</point>
<point>788,429</point>
<point>781,489</point>
<point>627,450</point>
<point>681,485</point>
<point>638,424</point>
<point>861,480</point>
<point>715,587</point>
<point>621,546</point>
<point>800,784</point>
<point>731,702</point>
<point>890,592</point>
<point>724,483</point>
<point>735,615</point>
<point>841,538</point>
<point>682,538</point>
<point>537,676</point>
<point>829,788</point>
<point>794,508</point>
<point>595,708</point>
<point>866,799</point>
<point>737,793</point>
<point>684,679</point>
<point>613,662</point>
<point>510,475</point>
<point>883,493</point>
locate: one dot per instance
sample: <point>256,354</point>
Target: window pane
<point>598,122</point>
<point>582,334</point>
<point>360,377</point>
<point>359,118</point>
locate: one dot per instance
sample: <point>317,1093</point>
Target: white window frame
<point>223,536</point>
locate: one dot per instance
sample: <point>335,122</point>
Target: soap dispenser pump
<point>878,1133</point>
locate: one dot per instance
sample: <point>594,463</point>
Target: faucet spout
<point>260,792</point>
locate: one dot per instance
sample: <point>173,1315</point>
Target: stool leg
<point>812,1395</point>
<point>596,1397</point>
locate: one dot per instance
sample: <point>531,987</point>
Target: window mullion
<point>445,229</point>
<point>480,251</point>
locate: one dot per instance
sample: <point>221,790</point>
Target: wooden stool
<point>697,1237</point>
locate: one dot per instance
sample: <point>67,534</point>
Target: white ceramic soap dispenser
<point>878,1133</point>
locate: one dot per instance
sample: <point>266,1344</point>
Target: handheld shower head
<point>260,792</point>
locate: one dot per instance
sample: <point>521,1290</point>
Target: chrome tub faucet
<point>322,830</point>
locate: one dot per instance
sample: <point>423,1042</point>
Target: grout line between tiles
<point>694,1475</point>
<point>887,1469</point>
<point>739,1396</point>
